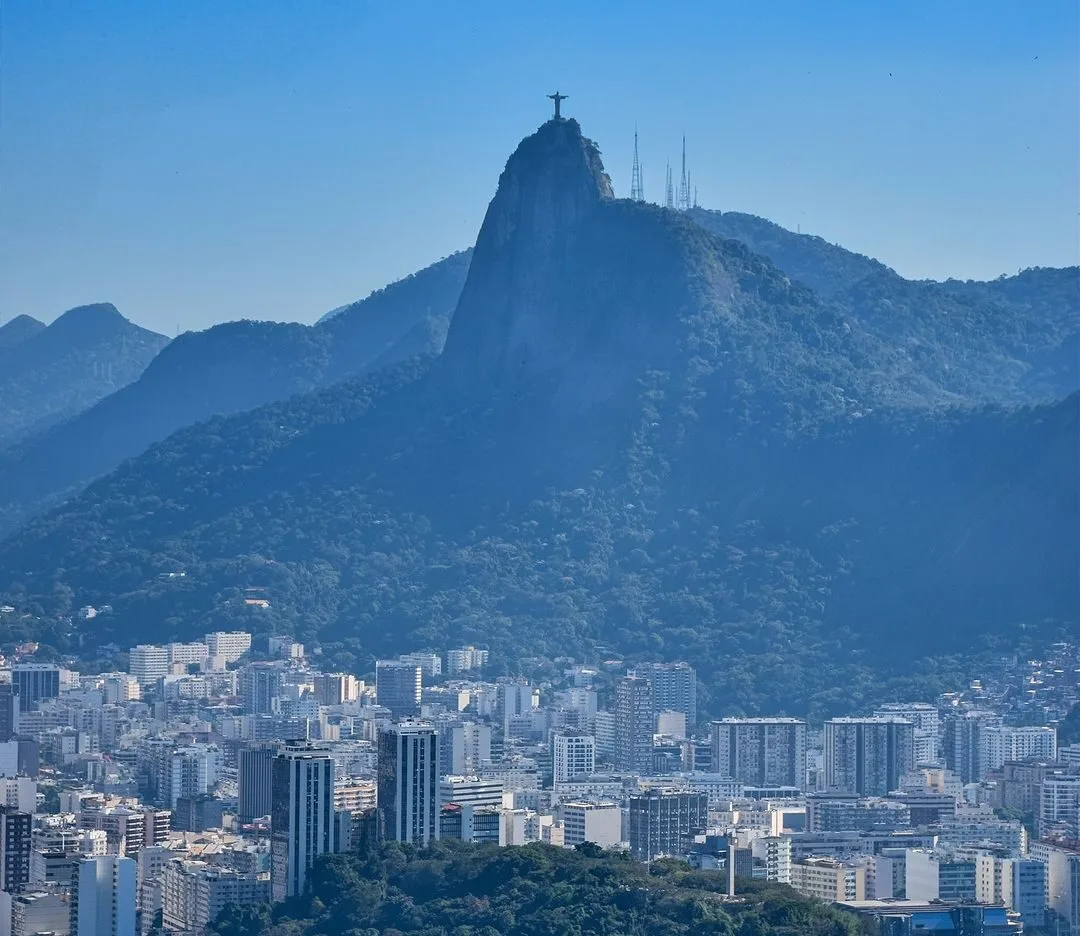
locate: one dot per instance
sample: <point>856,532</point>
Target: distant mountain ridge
<point>226,369</point>
<point>48,373</point>
<point>1012,340</point>
<point>19,329</point>
<point>639,436</point>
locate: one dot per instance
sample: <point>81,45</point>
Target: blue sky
<point>196,161</point>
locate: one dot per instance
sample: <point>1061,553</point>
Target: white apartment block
<point>573,755</point>
<point>465,660</point>
<point>599,823</point>
<point>774,851</point>
<point>828,879</point>
<point>1000,744</point>
<point>184,654</point>
<point>1059,806</point>
<point>194,893</point>
<point>148,663</point>
<point>430,663</point>
<point>471,791</point>
<point>230,645</point>
<point>1019,883</point>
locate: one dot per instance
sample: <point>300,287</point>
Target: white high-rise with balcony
<point>573,755</point>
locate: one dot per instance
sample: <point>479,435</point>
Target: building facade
<point>302,819</point>
<point>760,751</point>
<point>573,754</point>
<point>398,687</point>
<point>33,682</point>
<point>634,724</point>
<point>103,899</point>
<point>408,795</point>
<point>867,756</point>
<point>254,779</point>
<point>664,822</point>
<point>673,687</point>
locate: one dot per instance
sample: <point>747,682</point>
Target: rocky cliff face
<point>504,323</point>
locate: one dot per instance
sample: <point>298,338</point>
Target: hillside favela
<point>682,537</point>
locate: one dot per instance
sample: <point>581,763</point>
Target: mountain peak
<point>97,318</point>
<point>552,182</point>
<point>19,329</point>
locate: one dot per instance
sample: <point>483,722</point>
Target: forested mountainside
<point>230,368</point>
<point>639,436</point>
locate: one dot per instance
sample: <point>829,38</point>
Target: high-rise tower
<point>637,186</point>
<point>408,789</point>
<point>302,820</point>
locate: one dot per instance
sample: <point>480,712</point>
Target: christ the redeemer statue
<point>558,98</point>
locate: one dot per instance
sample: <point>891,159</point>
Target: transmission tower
<point>669,200</point>
<point>683,203</point>
<point>637,187</point>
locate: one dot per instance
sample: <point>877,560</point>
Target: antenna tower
<point>670,196</point>
<point>637,187</point>
<point>683,203</point>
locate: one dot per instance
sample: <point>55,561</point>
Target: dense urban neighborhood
<point>219,773</point>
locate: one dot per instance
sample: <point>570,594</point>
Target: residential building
<point>194,893</point>
<point>465,660</point>
<point>148,663</point>
<point>673,687</point>
<point>842,813</point>
<point>573,755</point>
<point>355,794</point>
<point>1018,883</point>
<point>599,823</point>
<point>302,820</point>
<point>35,911</point>
<point>760,751</point>
<point>229,645</point>
<point>464,747</point>
<point>471,791</point>
<point>1059,806</point>
<point>773,854</point>
<point>260,685</point>
<point>515,698</point>
<point>999,744</point>
<point>867,756</point>
<point>103,898</point>
<point>188,654</point>
<point>829,879</point>
<point>430,663</point>
<point>1062,880</point>
<point>336,688</point>
<point>962,742</point>
<point>15,847</point>
<point>664,822</point>
<point>9,712</point>
<point>634,724</point>
<point>936,875</point>
<point>398,687</point>
<point>926,724</point>
<point>408,777</point>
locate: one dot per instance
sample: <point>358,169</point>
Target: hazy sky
<point>198,160</point>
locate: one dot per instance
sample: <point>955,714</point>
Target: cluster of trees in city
<point>455,889</point>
